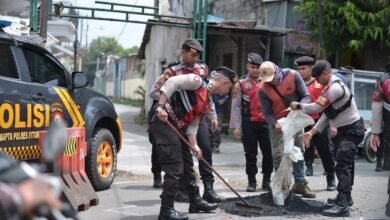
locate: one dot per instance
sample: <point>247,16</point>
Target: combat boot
<point>168,212</point>
<point>333,201</point>
<point>209,194</point>
<point>309,169</point>
<point>266,181</point>
<point>340,209</point>
<point>157,182</point>
<point>303,189</point>
<point>379,161</point>
<point>251,183</point>
<point>197,204</point>
<point>330,182</point>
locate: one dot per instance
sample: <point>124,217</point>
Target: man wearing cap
<point>186,99</point>
<point>246,113</point>
<point>320,140</point>
<point>280,87</point>
<point>190,63</point>
<point>380,126</point>
<point>340,111</point>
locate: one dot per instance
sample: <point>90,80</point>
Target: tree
<point>349,24</point>
<point>102,47</point>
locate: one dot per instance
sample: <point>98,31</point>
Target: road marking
<point>117,210</point>
<point>119,183</point>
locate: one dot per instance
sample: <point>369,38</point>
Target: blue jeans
<point>277,153</point>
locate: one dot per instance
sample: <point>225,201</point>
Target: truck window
<point>7,63</point>
<point>43,70</point>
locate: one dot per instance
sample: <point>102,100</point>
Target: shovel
<point>244,206</point>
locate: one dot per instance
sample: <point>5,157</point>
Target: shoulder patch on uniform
<point>322,101</point>
<point>317,85</point>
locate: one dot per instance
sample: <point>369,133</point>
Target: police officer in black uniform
<point>339,110</point>
<point>188,99</point>
<point>191,48</point>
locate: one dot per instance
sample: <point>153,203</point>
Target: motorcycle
<point>14,172</point>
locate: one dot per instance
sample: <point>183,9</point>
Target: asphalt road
<point>132,197</point>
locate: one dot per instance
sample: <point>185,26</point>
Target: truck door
<point>15,108</point>
<point>47,79</point>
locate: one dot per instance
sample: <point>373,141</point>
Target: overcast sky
<point>128,34</point>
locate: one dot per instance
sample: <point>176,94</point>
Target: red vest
<point>250,102</point>
<point>315,91</point>
<point>177,68</point>
<point>188,105</point>
<point>286,88</point>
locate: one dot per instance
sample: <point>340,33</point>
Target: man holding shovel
<point>340,111</point>
<point>184,101</point>
<point>280,87</point>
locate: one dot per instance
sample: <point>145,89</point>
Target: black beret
<point>255,59</point>
<point>195,46</point>
<point>230,74</point>
<point>319,67</point>
<point>305,60</point>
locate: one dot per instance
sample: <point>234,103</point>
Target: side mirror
<point>79,80</point>
<point>54,142</point>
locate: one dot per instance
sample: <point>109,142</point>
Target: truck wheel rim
<point>104,159</point>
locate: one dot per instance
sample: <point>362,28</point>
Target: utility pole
<point>321,56</point>
<point>75,48</point>
<point>44,15</point>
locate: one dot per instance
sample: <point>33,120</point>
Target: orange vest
<point>286,88</point>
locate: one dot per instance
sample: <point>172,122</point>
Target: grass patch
<point>135,103</point>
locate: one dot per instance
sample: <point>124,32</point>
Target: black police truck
<point>35,89</point>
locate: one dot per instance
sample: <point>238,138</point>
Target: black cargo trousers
<point>175,160</point>
<point>324,145</point>
<point>254,134</point>
<point>345,143</point>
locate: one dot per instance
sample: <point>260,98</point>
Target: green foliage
<point>348,24</point>
<point>101,47</point>
<point>141,92</point>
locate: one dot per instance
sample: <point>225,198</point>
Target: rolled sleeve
<point>377,117</point>
<point>182,82</point>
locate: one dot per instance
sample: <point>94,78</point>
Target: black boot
<point>379,162</point>
<point>266,181</point>
<point>168,212</point>
<point>309,169</point>
<point>388,208</point>
<point>157,182</point>
<point>333,201</point>
<point>251,183</point>
<point>209,194</point>
<point>340,209</point>
<point>197,204</point>
<point>331,182</point>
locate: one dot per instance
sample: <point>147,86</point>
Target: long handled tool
<point>246,205</point>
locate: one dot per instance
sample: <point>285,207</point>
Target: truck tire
<point>369,154</point>
<point>101,159</point>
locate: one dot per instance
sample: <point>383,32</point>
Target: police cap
<point>193,45</point>
<point>228,73</point>
<point>304,60</point>
<point>255,59</point>
<point>319,67</point>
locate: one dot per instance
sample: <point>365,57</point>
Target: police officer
<point>380,123</point>
<point>189,63</point>
<point>380,127</point>
<point>246,113</point>
<point>185,99</point>
<point>340,111</point>
<point>320,140</point>
<point>280,87</point>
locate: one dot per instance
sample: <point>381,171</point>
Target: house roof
<point>227,27</point>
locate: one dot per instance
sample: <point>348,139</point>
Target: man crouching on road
<point>340,111</point>
<point>280,87</point>
<point>185,98</point>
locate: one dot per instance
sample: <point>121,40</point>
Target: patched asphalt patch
<point>293,206</point>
